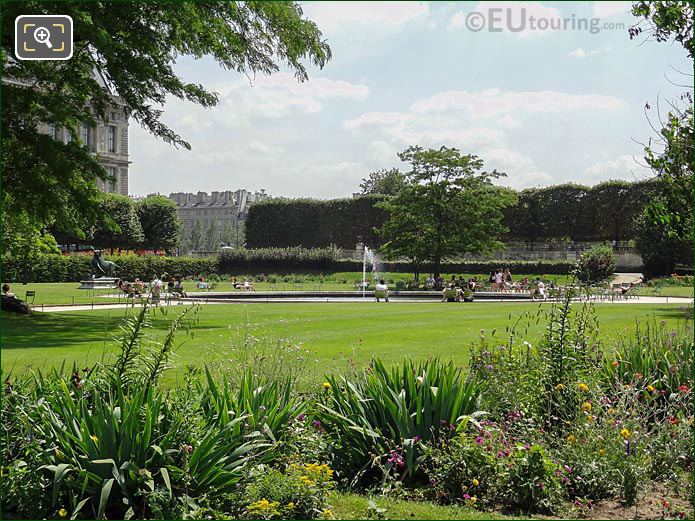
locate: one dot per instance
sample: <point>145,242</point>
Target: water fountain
<point>369,258</point>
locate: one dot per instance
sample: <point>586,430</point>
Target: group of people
<point>245,285</point>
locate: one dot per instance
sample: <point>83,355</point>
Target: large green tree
<point>384,182</point>
<point>133,47</point>
<point>127,232</point>
<point>448,207</point>
<point>160,222</point>
<point>666,235</point>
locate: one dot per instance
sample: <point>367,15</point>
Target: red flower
<point>683,388</point>
<point>673,420</point>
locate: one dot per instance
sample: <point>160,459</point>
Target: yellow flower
<point>615,363</point>
<point>475,482</point>
<point>474,499</point>
<point>571,438</point>
<point>94,438</point>
<point>586,407</point>
<point>62,512</point>
<point>590,418</point>
<point>602,452</point>
<point>290,506</point>
<point>625,434</point>
<point>559,387</point>
<point>326,385</point>
<point>264,506</point>
<point>583,388</point>
<point>650,388</point>
<point>327,513</point>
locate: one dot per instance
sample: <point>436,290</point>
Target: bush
<point>596,264</point>
<point>532,484</point>
<point>301,492</point>
<point>278,259</point>
<point>381,417</point>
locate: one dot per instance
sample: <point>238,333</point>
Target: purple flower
<point>301,417</point>
<point>489,367</point>
<point>568,469</point>
<point>396,459</point>
<point>479,440</point>
<point>417,438</point>
<point>466,496</point>
<point>316,423</point>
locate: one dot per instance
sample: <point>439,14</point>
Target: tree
<point>134,50</point>
<point>666,230</point>
<point>448,207</point>
<point>160,222</point>
<point>384,182</point>
<point>228,235</point>
<point>25,242</point>
<point>196,242</point>
<point>596,264</point>
<point>212,242</point>
<point>119,227</point>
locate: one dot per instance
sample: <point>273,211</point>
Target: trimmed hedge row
<point>73,268</point>
<point>312,223</point>
<point>600,213</point>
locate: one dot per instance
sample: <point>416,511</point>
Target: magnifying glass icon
<point>42,35</point>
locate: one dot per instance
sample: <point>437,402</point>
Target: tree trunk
<point>437,266</point>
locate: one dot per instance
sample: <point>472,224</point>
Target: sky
<point>543,106</point>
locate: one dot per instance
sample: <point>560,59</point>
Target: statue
<point>101,267</point>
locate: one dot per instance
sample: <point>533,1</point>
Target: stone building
<point>108,141</point>
<point>221,214</point>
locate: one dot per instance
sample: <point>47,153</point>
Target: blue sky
<point>544,106</point>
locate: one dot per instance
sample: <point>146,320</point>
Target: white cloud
<point>510,17</point>
<point>494,102</point>
<point>621,167</point>
<point>265,148</point>
<point>606,9</point>
<point>578,53</point>
<point>335,15</point>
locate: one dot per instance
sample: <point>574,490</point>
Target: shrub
<point>531,484</point>
<point>380,417</point>
<point>301,492</point>
<point>596,264</point>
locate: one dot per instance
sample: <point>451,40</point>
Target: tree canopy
<point>134,49</point>
<point>383,182</point>
<point>160,222</point>
<point>448,207</point>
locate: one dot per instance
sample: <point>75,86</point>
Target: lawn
<point>331,333</point>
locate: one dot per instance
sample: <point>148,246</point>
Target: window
<point>112,183</point>
<point>113,116</point>
<point>55,133</point>
<point>68,136</point>
<point>112,139</point>
<point>85,134</point>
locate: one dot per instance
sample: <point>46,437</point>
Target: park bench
<point>30,294</point>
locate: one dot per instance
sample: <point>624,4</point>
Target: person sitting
<point>178,288</point>
<point>201,284</point>
<point>235,283</point>
<point>429,283</point>
<point>451,294</point>
<point>381,290</point>
<point>138,286</point>
<point>248,286</point>
<point>156,289</point>
<point>6,291</point>
<point>472,284</point>
<point>415,284</point>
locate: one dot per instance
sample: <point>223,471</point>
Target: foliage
<point>666,233</point>
<point>596,264</point>
<point>666,20</point>
<point>380,417</point>
<point>311,223</point>
<point>238,259</point>
<point>27,244</point>
<point>52,182</point>
<point>384,182</point>
<point>160,222</point>
<point>448,207</point>
<point>532,484</point>
<point>119,227</point>
<point>300,492</point>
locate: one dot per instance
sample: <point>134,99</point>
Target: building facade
<point>108,141</point>
<point>212,220</point>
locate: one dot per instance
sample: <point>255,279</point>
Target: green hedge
<point>313,223</point>
<point>73,268</point>
<point>600,213</point>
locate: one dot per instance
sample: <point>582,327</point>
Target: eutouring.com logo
<point>519,20</point>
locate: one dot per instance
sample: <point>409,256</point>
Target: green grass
<point>332,333</point>
<point>667,291</point>
<point>354,506</point>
